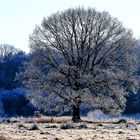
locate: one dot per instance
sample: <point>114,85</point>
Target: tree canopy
<point>81,57</point>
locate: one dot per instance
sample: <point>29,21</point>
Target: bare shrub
<point>34,127</point>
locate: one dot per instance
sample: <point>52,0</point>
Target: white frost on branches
<point>81,57</point>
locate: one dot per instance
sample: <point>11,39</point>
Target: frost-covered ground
<point>98,114</point>
<point>55,131</point>
<point>93,127</point>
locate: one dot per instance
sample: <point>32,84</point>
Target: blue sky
<point>19,17</point>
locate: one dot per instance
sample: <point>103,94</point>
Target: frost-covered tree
<point>11,62</point>
<point>7,50</point>
<point>14,103</point>
<point>81,57</point>
<point>133,100</point>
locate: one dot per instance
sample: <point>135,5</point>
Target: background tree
<point>82,57</point>
<point>133,99</point>
<point>13,101</point>
<point>7,50</point>
<point>11,62</point>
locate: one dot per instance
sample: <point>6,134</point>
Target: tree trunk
<point>76,113</point>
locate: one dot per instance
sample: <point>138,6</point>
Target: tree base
<point>76,119</point>
<point>76,113</point>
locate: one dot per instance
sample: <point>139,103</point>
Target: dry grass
<point>70,131</point>
<point>62,128</point>
<point>109,120</point>
<point>2,137</point>
<point>67,119</point>
<point>40,120</point>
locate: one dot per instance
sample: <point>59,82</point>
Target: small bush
<point>97,114</point>
<point>51,126</point>
<point>21,126</point>
<point>67,125</point>
<point>83,125</point>
<point>121,121</point>
<point>100,124</point>
<point>6,121</point>
<point>56,139</point>
<point>34,127</point>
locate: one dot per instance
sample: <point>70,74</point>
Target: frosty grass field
<point>96,126</point>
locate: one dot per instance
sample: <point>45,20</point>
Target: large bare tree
<point>81,57</point>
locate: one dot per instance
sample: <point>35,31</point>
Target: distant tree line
<point>133,99</point>
<point>13,100</point>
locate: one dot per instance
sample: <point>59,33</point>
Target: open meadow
<point>61,128</point>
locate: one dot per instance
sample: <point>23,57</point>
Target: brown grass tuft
<point>41,120</point>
